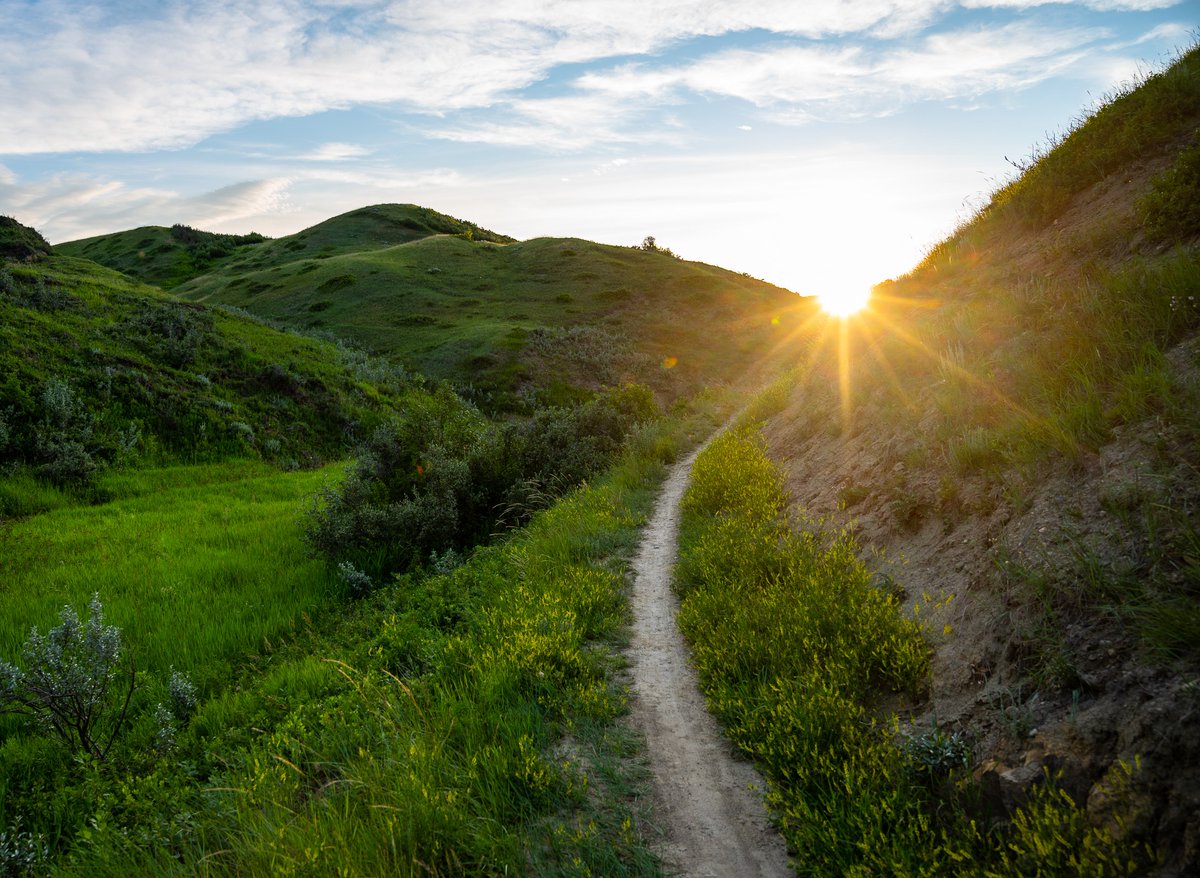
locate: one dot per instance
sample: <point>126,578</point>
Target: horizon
<point>819,148</point>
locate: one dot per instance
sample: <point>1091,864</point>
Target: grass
<point>173,564</point>
<point>158,255</point>
<point>465,722</point>
<point>152,380</point>
<point>467,308</point>
<point>794,646</point>
<point>1137,119</point>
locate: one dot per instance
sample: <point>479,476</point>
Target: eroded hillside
<point>1012,432</point>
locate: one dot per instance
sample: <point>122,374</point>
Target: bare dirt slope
<point>710,803</point>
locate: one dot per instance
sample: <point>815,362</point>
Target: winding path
<point>710,804</point>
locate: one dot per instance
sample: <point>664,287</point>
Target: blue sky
<point>815,143</point>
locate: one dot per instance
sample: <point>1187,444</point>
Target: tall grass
<point>794,648</point>
<point>461,723</point>
<point>198,565</point>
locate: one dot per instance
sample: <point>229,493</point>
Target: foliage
<point>96,372</point>
<point>488,313</point>
<point>443,476</point>
<point>793,645</point>
<point>1171,209</point>
<point>935,754</point>
<point>790,641</point>
<point>463,722</point>
<point>20,242</point>
<point>1129,124</point>
<point>21,852</point>
<point>1051,836</point>
<point>67,684</point>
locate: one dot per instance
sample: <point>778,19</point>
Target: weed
<point>934,754</point>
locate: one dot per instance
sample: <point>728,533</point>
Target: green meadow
<point>197,565</point>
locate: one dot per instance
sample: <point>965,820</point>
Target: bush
<point>446,478</point>
<point>21,852</point>
<point>67,683</point>
<point>67,463</point>
<point>168,331</point>
<point>1171,210</point>
<point>60,439</point>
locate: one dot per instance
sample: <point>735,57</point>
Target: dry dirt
<point>709,803</point>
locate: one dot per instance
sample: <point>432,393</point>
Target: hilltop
<point>99,369</point>
<point>549,319</point>
<point>1012,436</point>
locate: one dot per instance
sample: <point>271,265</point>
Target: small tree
<point>68,682</point>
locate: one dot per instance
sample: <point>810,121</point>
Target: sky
<point>817,144</point>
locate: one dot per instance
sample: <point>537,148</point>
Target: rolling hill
<point>549,318</point>
<point>97,367</point>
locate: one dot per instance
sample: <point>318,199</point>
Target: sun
<point>842,302</point>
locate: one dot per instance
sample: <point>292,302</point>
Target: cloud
<point>335,152</point>
<point>97,77</point>
<point>65,207</point>
<point>794,82</point>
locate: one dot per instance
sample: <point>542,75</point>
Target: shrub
<point>168,331</point>
<point>1171,210</point>
<point>66,463</point>
<point>444,477</point>
<point>67,684</point>
<point>21,852</point>
<point>60,438</point>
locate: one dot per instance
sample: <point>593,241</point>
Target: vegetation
<point>97,371</point>
<point>444,478</point>
<point>450,722</point>
<point>1137,120</point>
<point>512,325</point>
<point>67,682</point>
<point>794,645</point>
<point>20,243</point>
<point>1020,412</point>
<point>161,256</point>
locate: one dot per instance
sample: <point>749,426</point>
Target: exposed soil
<point>1071,700</point>
<point>709,803</point>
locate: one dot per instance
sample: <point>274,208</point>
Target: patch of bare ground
<point>709,802</point>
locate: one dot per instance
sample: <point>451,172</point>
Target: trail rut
<point>710,804</point>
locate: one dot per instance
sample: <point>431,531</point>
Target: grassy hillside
<point>217,613</point>
<point>158,255</point>
<point>549,316</point>
<point>168,257</point>
<point>98,370</point>
<point>1012,432</point>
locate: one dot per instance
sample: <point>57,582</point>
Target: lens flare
<point>843,302</point>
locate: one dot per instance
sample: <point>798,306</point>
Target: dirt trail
<point>710,804</point>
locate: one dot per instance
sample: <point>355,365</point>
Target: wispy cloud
<point>91,77</point>
<point>69,206</point>
<point>335,152</point>
<point>793,82</point>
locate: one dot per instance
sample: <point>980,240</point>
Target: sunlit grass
<point>794,646</point>
<point>197,565</point>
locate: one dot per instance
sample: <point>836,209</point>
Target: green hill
<point>98,369</point>
<point>547,318</point>
<point>158,255</point>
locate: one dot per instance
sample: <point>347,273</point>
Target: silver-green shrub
<point>67,683</point>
